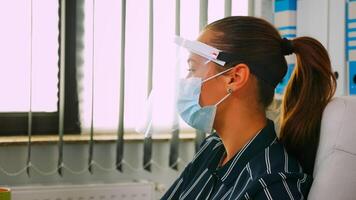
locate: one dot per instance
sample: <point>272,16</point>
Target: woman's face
<point>213,90</point>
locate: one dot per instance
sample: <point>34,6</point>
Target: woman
<point>244,159</point>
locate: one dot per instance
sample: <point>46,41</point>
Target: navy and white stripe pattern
<point>262,169</point>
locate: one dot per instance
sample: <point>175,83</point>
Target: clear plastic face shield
<point>195,59</point>
<point>195,64</point>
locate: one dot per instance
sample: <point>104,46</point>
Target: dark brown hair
<point>310,88</point>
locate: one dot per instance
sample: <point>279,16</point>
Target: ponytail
<point>310,88</point>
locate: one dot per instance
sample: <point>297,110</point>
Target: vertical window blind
<point>108,55</point>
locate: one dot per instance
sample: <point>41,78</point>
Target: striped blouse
<point>262,169</point>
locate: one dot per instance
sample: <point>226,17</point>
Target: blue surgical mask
<point>200,118</point>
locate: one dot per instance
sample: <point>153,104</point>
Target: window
<point>107,33</point>
<point>16,50</point>
<point>92,61</point>
<point>29,69</point>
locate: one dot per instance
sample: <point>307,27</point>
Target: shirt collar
<point>234,166</point>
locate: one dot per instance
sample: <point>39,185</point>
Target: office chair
<point>335,164</point>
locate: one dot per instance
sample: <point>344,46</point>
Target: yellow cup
<point>5,193</point>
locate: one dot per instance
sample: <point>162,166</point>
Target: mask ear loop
<point>216,75</point>
<point>229,92</point>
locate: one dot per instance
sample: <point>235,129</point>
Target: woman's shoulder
<point>274,159</point>
<point>274,169</point>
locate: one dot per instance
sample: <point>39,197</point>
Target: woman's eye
<point>191,70</point>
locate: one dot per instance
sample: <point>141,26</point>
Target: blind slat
<point>174,146</point>
<point>91,141</point>
<point>29,130</point>
<point>251,7</point>
<point>203,20</point>
<point>62,19</point>
<point>120,132</point>
<point>177,19</point>
<point>203,13</point>
<point>228,8</point>
<point>147,154</point>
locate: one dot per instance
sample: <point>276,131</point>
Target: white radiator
<point>124,191</point>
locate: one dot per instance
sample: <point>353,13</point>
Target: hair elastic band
<point>287,47</point>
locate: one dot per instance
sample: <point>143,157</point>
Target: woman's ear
<point>237,77</point>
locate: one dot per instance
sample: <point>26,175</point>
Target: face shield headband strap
<point>224,59</point>
<point>259,70</point>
